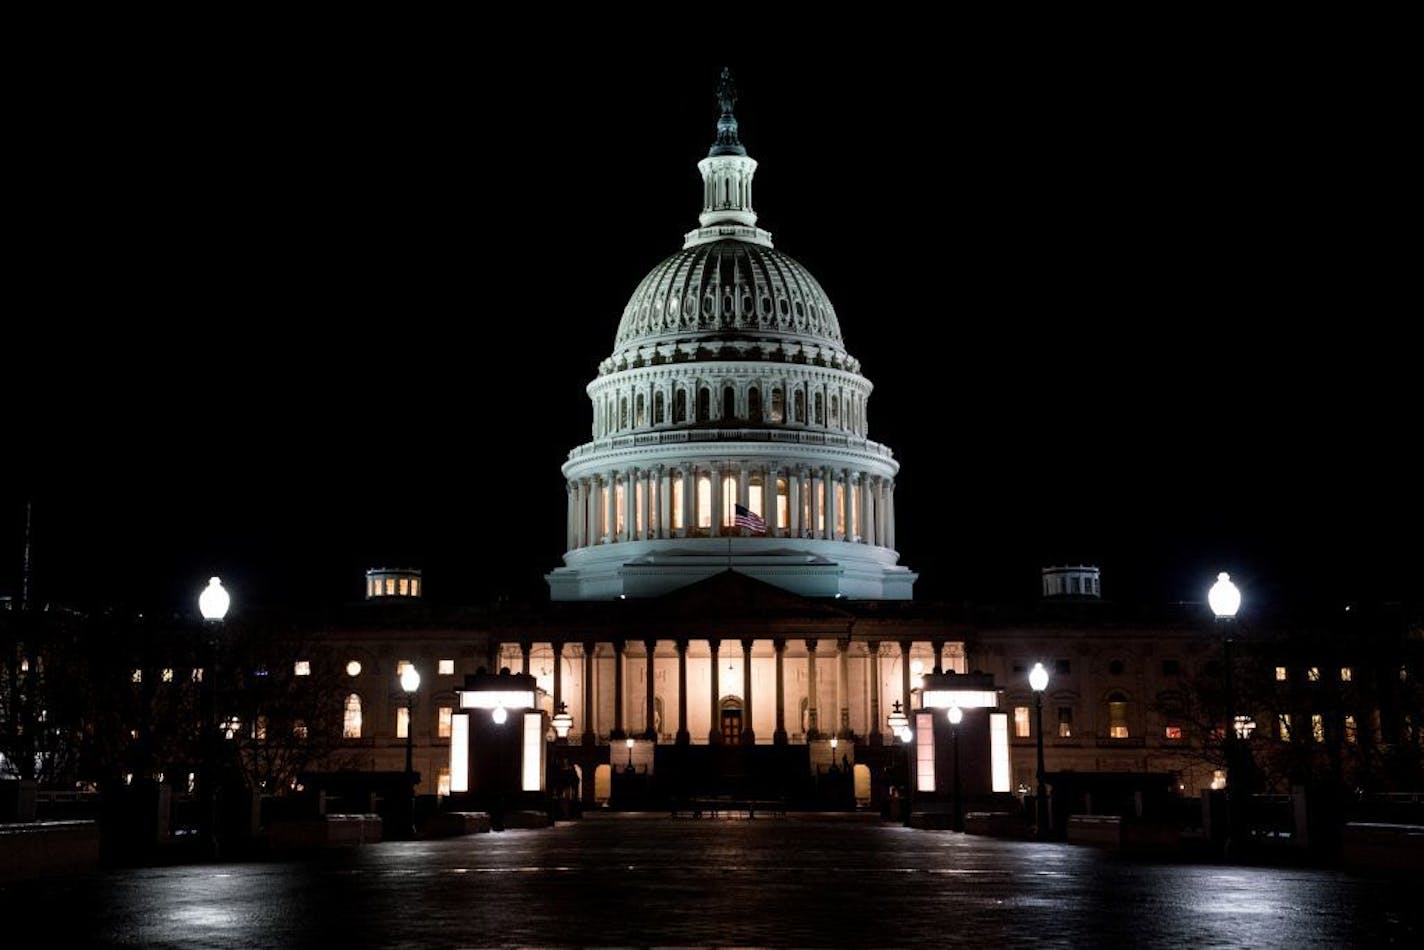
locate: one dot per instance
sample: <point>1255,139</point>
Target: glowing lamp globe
<point>410,680</point>
<point>214,600</point>
<point>563,722</point>
<point>499,715</point>
<point>1038,678</point>
<point>1224,598</point>
<point>956,715</point>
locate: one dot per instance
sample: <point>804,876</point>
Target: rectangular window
<point>755,500</point>
<point>1173,732</point>
<point>401,667</point>
<point>198,675</point>
<point>1280,674</point>
<point>166,675</point>
<point>442,787</point>
<point>1117,720</point>
<point>301,668</point>
<point>351,719</point>
<point>260,730</point>
<point>729,500</point>
<point>618,513</point>
<point>924,752</point>
<point>405,586</point>
<point>1065,722</point>
<point>415,587</point>
<point>447,716</point>
<point>1313,674</point>
<point>136,676</point>
<point>676,485</point>
<point>637,519</point>
<point>783,504</point>
<point>390,587</point>
<point>838,498</point>
<point>402,722</point>
<point>1283,727</point>
<point>1351,730</point>
<point>999,751</point>
<point>1021,726</point>
<point>1317,727</point>
<point>446,668</point>
<point>1346,674</point>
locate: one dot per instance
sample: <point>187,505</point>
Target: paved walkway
<point>656,881</point>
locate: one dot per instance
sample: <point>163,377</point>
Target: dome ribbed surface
<point>728,289</point>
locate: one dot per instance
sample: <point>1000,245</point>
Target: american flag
<point>746,518</point>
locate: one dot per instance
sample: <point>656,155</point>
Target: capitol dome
<point>729,425</point>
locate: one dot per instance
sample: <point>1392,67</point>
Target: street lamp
<point>410,682</point>
<point>956,716</point>
<point>213,603</point>
<point>834,742</point>
<point>1225,599</point>
<point>1038,682</point>
<point>630,753</point>
<point>563,722</point>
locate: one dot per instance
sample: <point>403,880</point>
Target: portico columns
<point>619,647</point>
<point>905,673</point>
<point>748,734</point>
<point>650,730</point>
<point>876,728</point>
<point>683,736</point>
<point>714,737</point>
<point>811,730</point>
<point>590,720</point>
<point>558,673</point>
<point>779,737</point>
<point>842,689</point>
<point>938,646</point>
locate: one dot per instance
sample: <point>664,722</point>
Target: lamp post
<point>1038,682</point>
<point>563,722</point>
<point>630,753</point>
<point>1225,600</point>
<point>899,724</point>
<point>956,716</point>
<point>213,604</point>
<point>410,682</point>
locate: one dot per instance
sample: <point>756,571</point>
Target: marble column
<point>812,731</point>
<point>650,730</point>
<point>683,736</point>
<point>590,718</point>
<point>558,673</point>
<point>779,737</point>
<point>748,733</point>
<point>714,737</point>
<point>905,674</point>
<point>619,647</point>
<point>877,728</point>
<point>842,689</point>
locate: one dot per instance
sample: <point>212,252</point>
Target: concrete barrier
<point>325,831</point>
<point>452,824</point>
<point>45,848</point>
<point>1377,845</point>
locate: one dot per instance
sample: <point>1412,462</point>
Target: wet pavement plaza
<point>801,880</point>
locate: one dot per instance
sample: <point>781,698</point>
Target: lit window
<point>729,500</point>
<point>167,675</point>
<point>415,587</point>
<point>704,501</point>
<point>1346,674</point>
<point>1351,731</point>
<point>261,729</point>
<point>1283,727</point>
<point>1280,674</point>
<point>231,727</point>
<point>1174,732</point>
<point>1245,725</point>
<point>442,787</point>
<point>1021,728</point>
<point>371,587</point>
<point>351,722</point>
<point>676,505</point>
<point>1065,722</point>
<point>1117,718</point>
<point>405,586</point>
<point>1317,727</point>
<point>198,674</point>
<point>136,676</point>
<point>401,667</point>
<point>353,668</point>
<point>1218,779</point>
<point>783,503</point>
<point>447,668</point>
<point>447,716</point>
<point>1313,674</point>
<point>301,668</point>
<point>24,664</point>
<point>402,722</point>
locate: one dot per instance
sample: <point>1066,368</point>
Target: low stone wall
<point>1365,844</point>
<point>325,831</point>
<point>1111,831</point>
<point>526,819</point>
<point>44,848</point>
<point>994,824</point>
<point>452,824</point>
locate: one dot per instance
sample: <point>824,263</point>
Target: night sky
<point>289,313</point>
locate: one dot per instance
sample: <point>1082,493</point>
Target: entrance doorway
<point>731,726</point>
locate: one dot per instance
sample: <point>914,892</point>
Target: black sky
<point>285,312</point>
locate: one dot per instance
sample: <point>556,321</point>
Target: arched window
<point>351,720</point>
<point>817,415</point>
<point>1117,716</point>
<point>623,412</point>
<point>799,403</point>
<point>642,414</point>
<point>704,404</point>
<point>835,410</point>
<point>679,405</point>
<point>729,403</point>
<point>704,500</point>
<point>659,409</point>
<point>778,406</point>
<point>754,404</point>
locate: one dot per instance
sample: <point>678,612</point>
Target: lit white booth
<point>498,745</point>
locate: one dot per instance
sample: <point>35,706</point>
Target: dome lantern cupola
<point>727,181</point>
